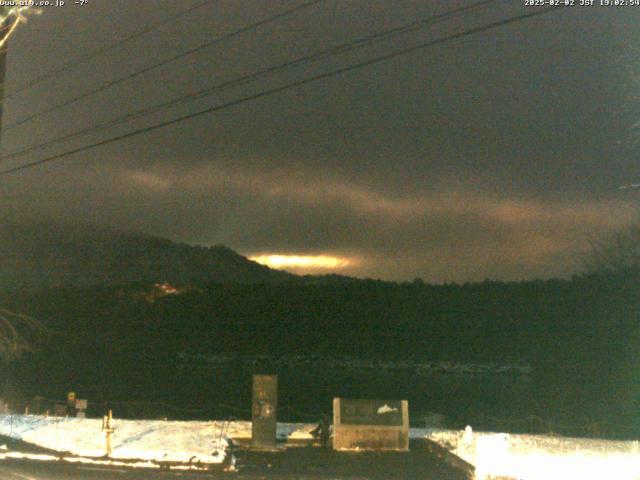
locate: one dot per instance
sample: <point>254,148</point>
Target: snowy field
<point>148,441</point>
<point>539,457</point>
<point>203,442</point>
<point>523,457</point>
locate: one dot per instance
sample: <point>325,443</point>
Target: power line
<point>191,51</point>
<point>74,63</point>
<point>282,88</point>
<point>339,49</point>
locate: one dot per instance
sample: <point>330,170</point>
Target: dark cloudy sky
<point>497,155</point>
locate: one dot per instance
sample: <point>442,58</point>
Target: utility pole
<point>5,28</point>
<point>3,60</point>
<point>9,19</point>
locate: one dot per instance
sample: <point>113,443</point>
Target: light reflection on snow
<point>147,440</point>
<point>525,457</point>
<point>540,457</point>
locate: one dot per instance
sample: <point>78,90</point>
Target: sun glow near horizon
<point>303,262</point>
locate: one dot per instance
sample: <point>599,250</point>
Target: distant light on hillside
<point>303,262</point>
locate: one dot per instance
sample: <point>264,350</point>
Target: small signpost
<point>370,424</point>
<point>81,407</point>
<point>108,429</point>
<point>264,412</point>
<point>71,403</point>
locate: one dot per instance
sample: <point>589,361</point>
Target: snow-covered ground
<point>523,457</point>
<point>539,457</point>
<point>154,440</point>
<point>241,430</point>
<point>145,440</point>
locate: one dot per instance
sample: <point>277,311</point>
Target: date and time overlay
<point>41,3</point>
<point>527,3</point>
<point>581,3</point>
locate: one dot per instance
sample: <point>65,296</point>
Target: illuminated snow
<point>524,457</point>
<point>386,409</point>
<point>539,457</point>
<point>144,440</point>
<point>154,440</point>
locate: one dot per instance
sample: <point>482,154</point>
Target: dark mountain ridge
<point>46,255</point>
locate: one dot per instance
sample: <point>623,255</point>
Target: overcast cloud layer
<point>499,155</point>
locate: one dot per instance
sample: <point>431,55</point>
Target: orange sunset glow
<point>302,262</point>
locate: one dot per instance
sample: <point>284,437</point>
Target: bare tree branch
<point>616,253</point>
<point>18,334</point>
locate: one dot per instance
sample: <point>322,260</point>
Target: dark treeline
<point>571,323</point>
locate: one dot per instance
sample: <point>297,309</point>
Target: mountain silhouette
<point>51,255</point>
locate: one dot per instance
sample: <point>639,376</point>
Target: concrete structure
<point>370,424</point>
<point>264,412</point>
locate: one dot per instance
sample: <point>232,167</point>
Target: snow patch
<point>386,409</point>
